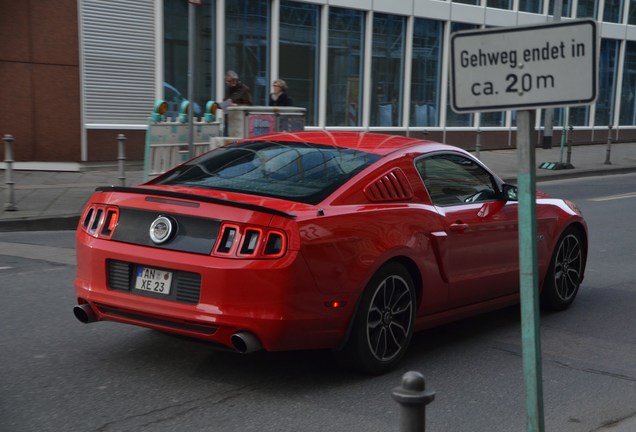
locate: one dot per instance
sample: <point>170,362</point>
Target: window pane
<point>344,76</point>
<point>612,11</point>
<point>247,45</point>
<point>470,2</point>
<point>175,87</point>
<point>493,119</point>
<point>532,6</point>
<point>500,4</point>
<point>299,55</point>
<point>455,180</point>
<point>628,99</point>
<point>387,70</point>
<point>586,9</point>
<point>566,9</point>
<point>452,118</point>
<point>632,12</point>
<point>426,72</point>
<point>607,82</point>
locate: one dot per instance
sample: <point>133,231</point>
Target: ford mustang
<point>344,241</point>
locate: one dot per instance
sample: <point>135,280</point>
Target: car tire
<point>565,273</point>
<point>383,324</point>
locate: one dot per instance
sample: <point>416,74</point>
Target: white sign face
<point>524,67</point>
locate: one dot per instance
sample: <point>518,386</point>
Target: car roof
<point>376,143</point>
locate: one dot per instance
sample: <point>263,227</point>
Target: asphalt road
<point>57,374</point>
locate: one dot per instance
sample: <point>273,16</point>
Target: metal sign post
<point>529,283</point>
<point>191,53</point>
<point>525,68</point>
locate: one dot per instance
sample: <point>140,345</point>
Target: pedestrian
<point>236,93</point>
<point>279,95</point>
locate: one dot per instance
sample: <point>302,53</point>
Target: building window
<point>426,72</point>
<point>175,48</point>
<point>531,6</point>
<point>628,95</point>
<point>566,8</point>
<point>387,70</point>
<point>299,35</point>
<point>345,62</point>
<point>499,4</point>
<point>587,9</point>
<point>612,11</point>
<point>632,12</point>
<point>607,82</point>
<point>453,118</point>
<point>247,42</point>
<point>469,2</point>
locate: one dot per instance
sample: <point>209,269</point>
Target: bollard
<point>569,141</point>
<point>121,158</point>
<point>609,145</point>
<point>8,159</point>
<point>413,398</point>
<point>478,143</point>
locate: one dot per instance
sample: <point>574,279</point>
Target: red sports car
<point>318,240</point>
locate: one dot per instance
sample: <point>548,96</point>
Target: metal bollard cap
<point>413,390</point>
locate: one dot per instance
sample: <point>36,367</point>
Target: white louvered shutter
<point>118,61</point>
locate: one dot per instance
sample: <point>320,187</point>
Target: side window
<point>453,179</point>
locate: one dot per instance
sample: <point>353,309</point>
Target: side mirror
<point>510,192</point>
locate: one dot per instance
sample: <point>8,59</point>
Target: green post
<point>530,329</point>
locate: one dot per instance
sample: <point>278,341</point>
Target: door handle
<point>459,227</point>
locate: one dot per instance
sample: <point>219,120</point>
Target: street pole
<point>191,53</point>
<point>548,120</point>
<point>529,283</point>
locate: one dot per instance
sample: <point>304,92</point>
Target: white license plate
<point>153,280</point>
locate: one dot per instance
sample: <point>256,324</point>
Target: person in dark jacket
<point>236,93</point>
<point>279,95</point>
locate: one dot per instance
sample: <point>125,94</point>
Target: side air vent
<point>392,186</point>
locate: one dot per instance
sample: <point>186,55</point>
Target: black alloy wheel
<point>565,273</point>
<point>384,322</point>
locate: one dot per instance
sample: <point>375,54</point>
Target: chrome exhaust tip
<point>245,342</point>
<point>84,313</point>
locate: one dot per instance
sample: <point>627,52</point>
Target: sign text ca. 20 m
<point>524,67</point>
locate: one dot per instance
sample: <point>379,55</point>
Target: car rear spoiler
<point>188,196</point>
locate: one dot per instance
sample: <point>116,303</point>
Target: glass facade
<point>387,70</point>
<point>606,83</point>
<point>628,92</point>
<point>426,72</point>
<point>299,55</point>
<point>247,40</point>
<point>344,69</point>
<point>587,9</point>
<point>175,52</point>
<point>335,72</point>
<point>452,118</point>
<point>613,11</point>
<point>531,6</point>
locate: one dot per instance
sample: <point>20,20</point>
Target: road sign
<point>524,67</point>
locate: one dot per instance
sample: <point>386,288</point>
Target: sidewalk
<point>47,200</point>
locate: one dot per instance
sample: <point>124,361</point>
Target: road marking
<point>6,268</point>
<point>45,253</point>
<point>615,197</point>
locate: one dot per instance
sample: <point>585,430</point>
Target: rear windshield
<point>293,171</point>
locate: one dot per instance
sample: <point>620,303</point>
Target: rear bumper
<point>276,300</point>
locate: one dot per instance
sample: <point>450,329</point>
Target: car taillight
<point>100,221</point>
<point>250,242</point>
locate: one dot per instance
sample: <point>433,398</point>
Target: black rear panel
<point>193,234</point>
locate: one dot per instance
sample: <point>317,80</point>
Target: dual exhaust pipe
<point>243,342</point>
<point>84,313</point>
